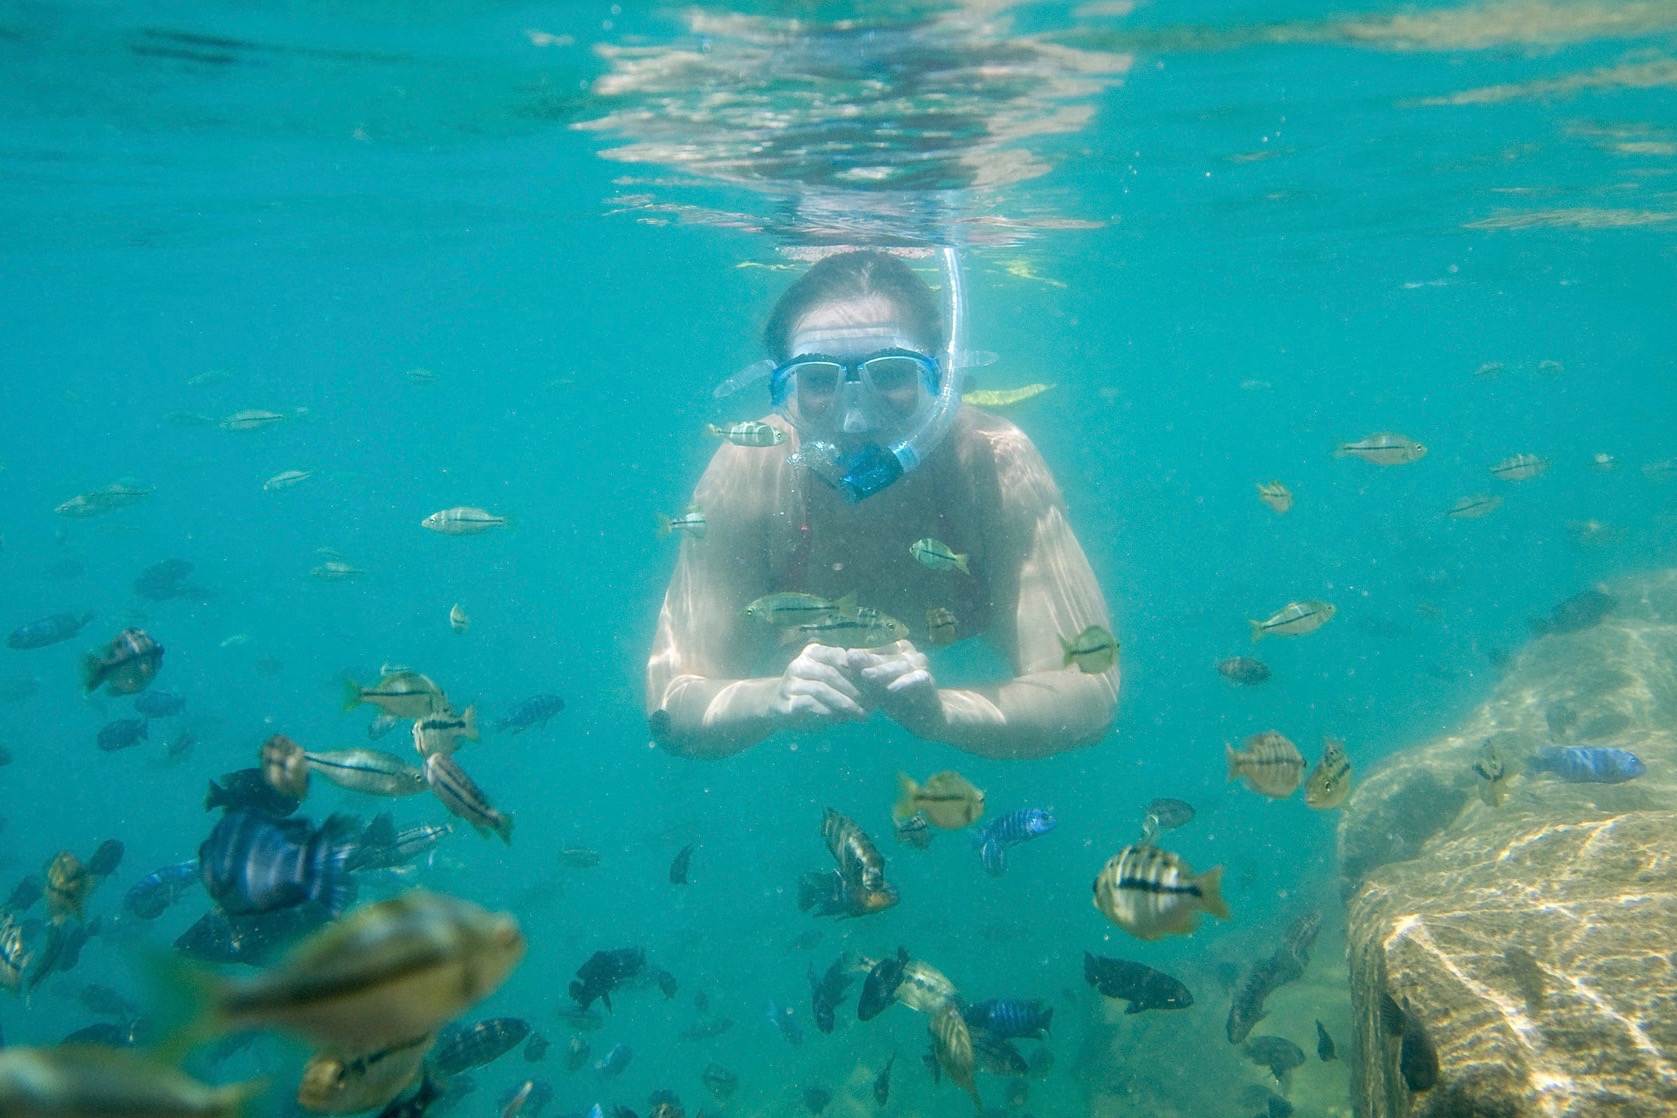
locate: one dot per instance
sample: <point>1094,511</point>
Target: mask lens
<point>893,375</point>
<point>817,381</point>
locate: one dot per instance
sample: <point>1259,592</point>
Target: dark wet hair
<point>856,275</point>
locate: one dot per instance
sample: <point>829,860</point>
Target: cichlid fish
<point>457,618</point>
<point>151,896</point>
<point>1243,670</point>
<point>942,629</point>
<point>126,667</point>
<point>1417,1058</point>
<point>462,1048</point>
<point>826,992</point>
<point>1271,764</point>
<point>251,419</point>
<point>679,864</point>
<point>254,863</point>
<point>865,628</point>
<point>952,1045</point>
<point>532,713</point>
<point>159,704</point>
<point>249,789</point>
<point>1472,508</point>
<point>747,433</point>
<point>76,1081</point>
<point>381,975</point>
<point>250,940</point>
<point>441,732</point>
<point>381,725</point>
<point>68,887</point>
<point>603,972</point>
<point>1383,449</point>
<point>1141,986</point>
<point>947,800</point>
<point>463,520</point>
<point>830,893</point>
<point>1293,620</point>
<point>1325,1050</point>
<point>993,839</point>
<point>614,1062</point>
<point>721,1082</point>
<point>1002,398</point>
<point>1165,814</point>
<point>334,1084</point>
<point>692,523</point>
<point>48,630</point>
<point>1152,893</point>
<point>925,989</point>
<point>1493,776</point>
<point>1094,650</point>
<point>368,771</point>
<point>1583,610</point>
<point>788,609</point>
<point>463,798</point>
<point>286,479</point>
<point>858,859</point>
<point>1520,467</point>
<point>124,733</point>
<point>107,498</point>
<point>1588,764</point>
<point>1276,1053</point>
<point>285,766</point>
<point>401,694</point>
<point>1276,496</point>
<point>882,1082</point>
<point>1009,1018</point>
<point>938,556</point>
<point>879,988</point>
<point>1330,781</point>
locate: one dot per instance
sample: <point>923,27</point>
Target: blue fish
<point>124,733</point>
<point>611,1065</point>
<point>159,704</point>
<point>254,863</point>
<point>1589,764</point>
<point>48,630</point>
<point>1010,1018</point>
<point>532,712</point>
<point>1011,829</point>
<point>150,896</point>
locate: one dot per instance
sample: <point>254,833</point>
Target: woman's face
<point>856,407</point>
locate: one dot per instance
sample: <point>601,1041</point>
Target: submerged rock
<point>1531,941</point>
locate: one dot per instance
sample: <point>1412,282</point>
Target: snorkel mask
<point>901,401</point>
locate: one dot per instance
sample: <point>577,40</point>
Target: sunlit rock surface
<point>1535,940</point>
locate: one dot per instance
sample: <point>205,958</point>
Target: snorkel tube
<point>874,467</point>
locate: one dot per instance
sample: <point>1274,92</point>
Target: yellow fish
<point>947,799</point>
<point>1003,397</point>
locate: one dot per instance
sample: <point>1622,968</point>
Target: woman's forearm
<point>715,718</point>
<point>1032,716</point>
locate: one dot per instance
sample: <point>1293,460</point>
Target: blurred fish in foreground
<point>127,665</point>
<point>1152,893</point>
<point>381,976</point>
<point>83,1081</point>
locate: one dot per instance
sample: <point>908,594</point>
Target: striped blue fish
<point>1011,829</point>
<point>1010,1018</point>
<point>1589,764</point>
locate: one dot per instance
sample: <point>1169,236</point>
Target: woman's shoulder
<point>994,452</point>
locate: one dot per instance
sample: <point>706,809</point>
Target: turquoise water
<point>1233,236</point>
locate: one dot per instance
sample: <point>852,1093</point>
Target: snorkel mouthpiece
<point>870,470</point>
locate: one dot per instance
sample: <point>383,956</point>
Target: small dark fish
<point>612,1064</point>
<point>5,756</point>
<point>1588,764</point>
<point>124,733</point>
<point>1141,986</point>
<point>995,1056</point>
<point>816,1099</point>
<point>1168,814</point>
<point>162,581</point>
<point>159,704</point>
<point>532,713</point>
<point>806,939</point>
<point>126,667</point>
<point>149,897</point>
<point>721,1082</point>
<point>1008,830</point>
<point>667,985</point>
<point>678,868</point>
<point>527,1100</point>
<point>107,1002</point>
<point>106,1034</point>
<point>464,1048</point>
<point>577,1052</point>
<point>417,1104</point>
<point>251,940</point>
<point>879,988</point>
<point>707,1028</point>
<point>180,748</point>
<point>1417,1058</point>
<point>535,1049</point>
<point>24,894</point>
<point>1325,1050</point>
<point>827,992</point>
<point>1579,612</point>
<point>48,630</point>
<point>829,893</point>
<point>784,1020</point>
<point>106,858</point>
<point>1009,1018</point>
<point>1243,670</point>
<point>579,857</point>
<point>603,971</point>
<point>1276,1053</point>
<point>914,832</point>
<point>249,790</point>
<point>882,1083</point>
<point>253,863</point>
